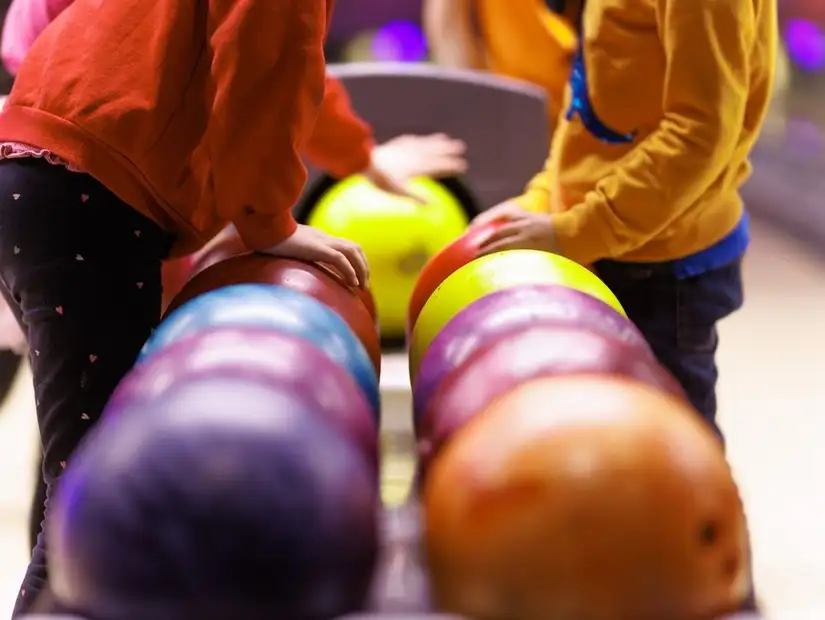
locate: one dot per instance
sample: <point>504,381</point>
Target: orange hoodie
<point>527,41</point>
<point>193,113</point>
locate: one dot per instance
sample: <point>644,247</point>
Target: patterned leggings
<point>81,270</point>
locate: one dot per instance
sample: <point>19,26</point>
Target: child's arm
<point>707,45</point>
<point>268,69</point>
<point>452,34</point>
<point>538,197</point>
<point>25,20</point>
<point>341,142</point>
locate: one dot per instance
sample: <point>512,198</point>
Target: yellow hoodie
<point>665,102</point>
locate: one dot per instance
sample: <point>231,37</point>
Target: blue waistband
<point>725,251</point>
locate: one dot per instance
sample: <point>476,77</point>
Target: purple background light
<point>805,42</point>
<point>399,41</point>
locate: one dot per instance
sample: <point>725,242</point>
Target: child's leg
<point>82,272</point>
<point>678,317</point>
<point>38,507</point>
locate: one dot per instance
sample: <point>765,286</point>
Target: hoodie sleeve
<point>341,142</point>
<point>268,69</point>
<point>25,20</point>
<point>705,97</point>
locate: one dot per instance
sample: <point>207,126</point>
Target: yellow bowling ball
<point>398,236</point>
<point>493,273</point>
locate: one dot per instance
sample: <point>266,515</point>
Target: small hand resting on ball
<point>403,158</point>
<point>311,244</point>
<point>522,230</point>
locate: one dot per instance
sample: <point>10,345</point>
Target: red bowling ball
<point>228,245</point>
<point>311,279</point>
<point>542,351</point>
<point>445,263</point>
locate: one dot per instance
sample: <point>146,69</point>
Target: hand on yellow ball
<point>521,230</point>
<point>403,158</point>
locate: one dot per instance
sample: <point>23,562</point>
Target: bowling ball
<point>542,351</point>
<point>398,236</point>
<point>585,497</point>
<point>492,273</point>
<point>446,262</point>
<point>283,360</point>
<point>224,498</point>
<point>308,278</point>
<point>276,308</point>
<point>228,244</point>
<point>508,311</point>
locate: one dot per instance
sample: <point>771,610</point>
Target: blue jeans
<point>678,317</point>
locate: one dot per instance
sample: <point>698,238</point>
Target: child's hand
<point>523,230</point>
<point>403,158</point>
<point>503,211</point>
<point>310,244</point>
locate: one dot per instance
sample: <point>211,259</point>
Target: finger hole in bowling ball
<point>708,533</point>
<point>315,191</point>
<point>708,537</point>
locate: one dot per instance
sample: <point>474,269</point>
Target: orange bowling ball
<point>445,263</point>
<point>585,497</point>
<point>309,278</point>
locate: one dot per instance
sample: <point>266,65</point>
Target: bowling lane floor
<point>772,409</point>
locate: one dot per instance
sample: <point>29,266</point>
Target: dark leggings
<point>81,270</point>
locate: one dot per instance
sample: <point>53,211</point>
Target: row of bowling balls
<point>235,471</point>
<point>563,474</point>
<point>396,234</point>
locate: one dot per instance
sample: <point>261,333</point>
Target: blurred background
<point>772,356</point>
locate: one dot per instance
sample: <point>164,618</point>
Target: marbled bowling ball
<point>585,496</point>
<point>542,351</point>
<point>312,279</point>
<point>279,359</point>
<point>224,498</point>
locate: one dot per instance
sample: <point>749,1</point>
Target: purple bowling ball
<point>511,310</point>
<point>222,498</point>
<point>290,362</point>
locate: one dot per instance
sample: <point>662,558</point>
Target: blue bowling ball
<point>277,308</point>
<point>224,498</point>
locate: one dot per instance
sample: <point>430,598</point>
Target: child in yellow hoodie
<point>665,101</point>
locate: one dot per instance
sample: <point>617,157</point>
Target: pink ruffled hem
<point>16,150</point>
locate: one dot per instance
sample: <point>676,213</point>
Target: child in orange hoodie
<point>140,139</point>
